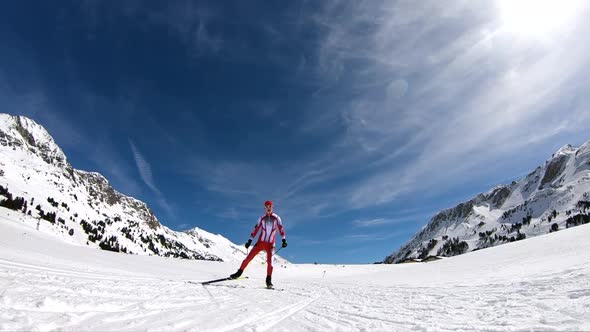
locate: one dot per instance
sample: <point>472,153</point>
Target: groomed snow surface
<point>542,283</point>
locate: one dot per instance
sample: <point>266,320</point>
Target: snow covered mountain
<point>81,207</point>
<point>554,196</point>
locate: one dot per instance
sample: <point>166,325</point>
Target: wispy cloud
<point>371,222</point>
<point>424,110</point>
<point>369,237</point>
<point>441,89</point>
<point>414,96</point>
<point>145,172</point>
<point>421,214</point>
<point>356,238</point>
<point>376,222</point>
<point>144,168</point>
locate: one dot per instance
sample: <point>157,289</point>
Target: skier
<point>268,225</point>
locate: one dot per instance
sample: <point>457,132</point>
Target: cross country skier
<point>268,225</point>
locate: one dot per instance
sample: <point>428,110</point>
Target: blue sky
<point>359,119</point>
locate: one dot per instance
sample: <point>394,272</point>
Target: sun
<point>537,18</point>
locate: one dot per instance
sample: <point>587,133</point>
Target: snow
<point>46,284</point>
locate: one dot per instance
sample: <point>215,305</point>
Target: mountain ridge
<point>82,207</point>
<point>553,196</point>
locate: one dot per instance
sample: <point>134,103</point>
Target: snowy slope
<point>82,208</point>
<point>46,284</point>
<point>553,197</point>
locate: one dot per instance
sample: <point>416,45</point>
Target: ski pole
<point>277,251</point>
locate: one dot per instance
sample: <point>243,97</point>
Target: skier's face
<point>268,208</point>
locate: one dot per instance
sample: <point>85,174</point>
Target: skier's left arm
<point>282,231</point>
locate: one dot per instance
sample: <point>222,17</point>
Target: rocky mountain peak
<point>22,132</point>
<point>565,150</point>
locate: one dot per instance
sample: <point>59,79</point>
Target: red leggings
<point>258,247</point>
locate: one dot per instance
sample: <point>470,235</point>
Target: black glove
<point>248,243</point>
<point>284,243</point>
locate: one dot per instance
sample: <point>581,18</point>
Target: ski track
<point>73,303</point>
<point>71,273</point>
<point>99,291</point>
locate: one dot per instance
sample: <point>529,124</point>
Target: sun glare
<point>537,18</point>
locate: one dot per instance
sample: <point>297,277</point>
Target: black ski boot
<point>268,282</point>
<point>236,275</point>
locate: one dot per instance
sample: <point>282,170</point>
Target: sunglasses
<point>269,206</point>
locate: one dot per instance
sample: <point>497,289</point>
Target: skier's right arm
<point>256,228</point>
<point>253,234</point>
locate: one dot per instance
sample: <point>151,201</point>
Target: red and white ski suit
<point>268,225</point>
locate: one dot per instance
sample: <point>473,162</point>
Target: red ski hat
<point>268,203</point>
